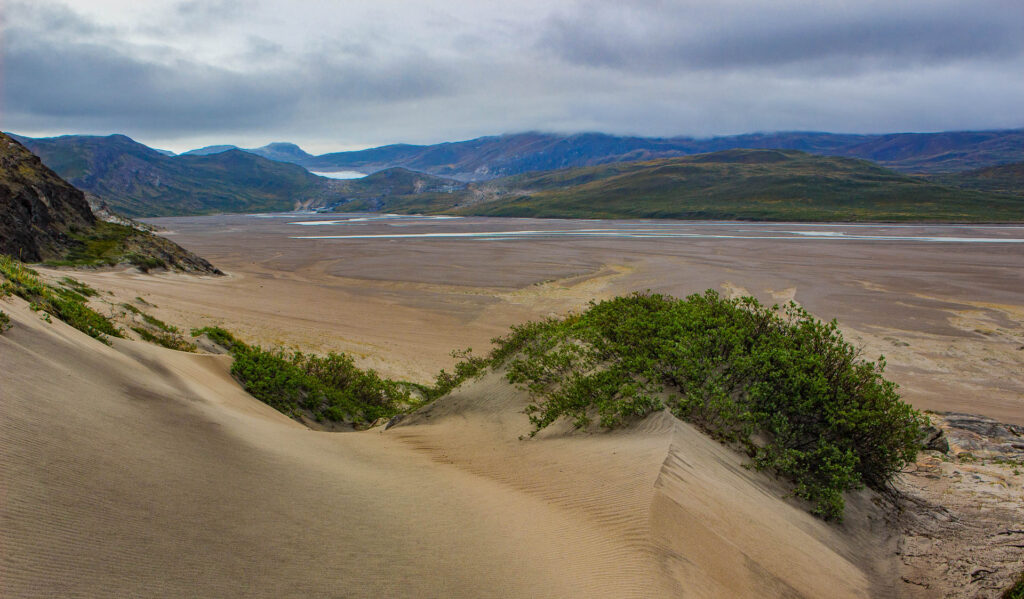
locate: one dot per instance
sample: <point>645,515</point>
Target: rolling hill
<point>397,187</point>
<point>732,184</point>
<point>1004,179</point>
<point>139,181</point>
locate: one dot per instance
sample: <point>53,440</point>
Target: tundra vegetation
<point>67,300</point>
<point>152,329</point>
<point>1017,590</point>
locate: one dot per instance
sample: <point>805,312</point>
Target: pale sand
<point>138,471</point>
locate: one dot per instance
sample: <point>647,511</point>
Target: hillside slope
<point>138,181</point>
<point>42,217</point>
<point>396,187</point>
<point>732,184</point>
<point>1004,179</point>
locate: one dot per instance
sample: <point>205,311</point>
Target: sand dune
<point>133,470</point>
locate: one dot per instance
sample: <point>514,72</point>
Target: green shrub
<point>5,321</point>
<point>219,336</point>
<point>144,263</point>
<point>740,371</point>
<point>468,366</point>
<point>67,304</point>
<point>327,387</point>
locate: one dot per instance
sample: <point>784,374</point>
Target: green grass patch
<point>67,304</point>
<point>324,388</point>
<point>781,385</point>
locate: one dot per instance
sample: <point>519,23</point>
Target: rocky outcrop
<point>38,209</point>
<point>961,523</point>
<point>43,217</point>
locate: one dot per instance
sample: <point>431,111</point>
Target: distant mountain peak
<point>207,150</point>
<point>281,151</point>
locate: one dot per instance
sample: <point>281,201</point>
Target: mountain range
<point>503,155</point>
<point>773,176</point>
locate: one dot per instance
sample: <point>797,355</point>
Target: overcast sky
<point>345,75</point>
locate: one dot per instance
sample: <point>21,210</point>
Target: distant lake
<point>340,174</point>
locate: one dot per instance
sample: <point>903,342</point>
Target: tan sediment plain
<point>949,317</point>
<point>133,470</point>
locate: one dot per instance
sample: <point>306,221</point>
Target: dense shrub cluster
<point>783,385</point>
<point>325,388</point>
<point>66,301</point>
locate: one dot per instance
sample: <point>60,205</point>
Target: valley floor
<point>132,470</point>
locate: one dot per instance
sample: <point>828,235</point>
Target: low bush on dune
<point>66,301</point>
<point>5,321</point>
<point>780,384</point>
<point>156,331</point>
<point>325,388</point>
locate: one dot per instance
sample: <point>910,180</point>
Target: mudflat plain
<point>942,303</point>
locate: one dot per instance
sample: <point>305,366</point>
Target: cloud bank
<point>334,75</point>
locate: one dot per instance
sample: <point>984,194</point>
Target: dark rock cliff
<point>37,208</point>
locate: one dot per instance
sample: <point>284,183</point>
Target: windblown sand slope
<point>137,471</point>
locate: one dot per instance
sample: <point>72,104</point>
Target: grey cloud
<point>52,79</point>
<point>39,16</point>
<point>647,67</point>
<point>97,84</point>
<point>847,37</point>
